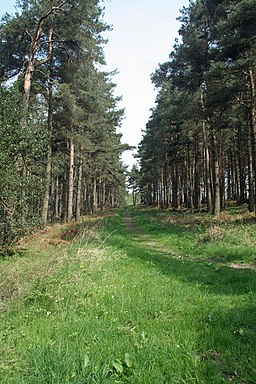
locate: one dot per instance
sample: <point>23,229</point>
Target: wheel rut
<point>140,236</point>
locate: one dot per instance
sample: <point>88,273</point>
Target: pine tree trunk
<point>57,199</point>
<point>27,87</point>
<point>216,206</point>
<point>251,197</point>
<point>175,189</point>
<point>64,190</point>
<point>50,128</point>
<point>103,194</point>
<point>79,187</point>
<point>133,197</point>
<point>90,198</point>
<point>61,199</point>
<point>71,180</point>
<point>252,155</point>
<point>222,173</point>
<point>94,204</point>
<point>85,200</point>
<point>206,158</point>
<point>216,179</point>
<point>185,182</point>
<point>45,208</point>
<point>169,189</point>
<point>197,187</point>
<point>253,115</point>
<point>232,177</point>
<point>31,57</point>
<point>207,172</point>
<point>161,194</point>
<point>165,187</point>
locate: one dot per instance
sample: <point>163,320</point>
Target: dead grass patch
<point>210,355</point>
<point>46,251</point>
<point>190,219</point>
<point>212,234</point>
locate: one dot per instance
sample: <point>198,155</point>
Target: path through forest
<point>140,236</point>
<point>119,298</point>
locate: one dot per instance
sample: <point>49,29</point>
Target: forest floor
<point>140,296</point>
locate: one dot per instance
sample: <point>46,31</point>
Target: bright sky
<point>142,37</point>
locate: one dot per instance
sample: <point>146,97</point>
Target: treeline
<point>199,144</point>
<point>59,149</point>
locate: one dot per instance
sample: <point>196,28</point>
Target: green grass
<point>113,307</point>
<point>229,238</point>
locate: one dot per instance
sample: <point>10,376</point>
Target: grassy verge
<point>96,303</point>
<point>228,238</point>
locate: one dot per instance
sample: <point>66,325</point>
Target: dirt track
<point>140,236</point>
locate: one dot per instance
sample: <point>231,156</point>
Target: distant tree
<point>134,182</point>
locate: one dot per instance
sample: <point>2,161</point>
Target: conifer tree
<point>213,67</point>
<point>69,106</point>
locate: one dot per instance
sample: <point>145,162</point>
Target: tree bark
<point>50,128</point>
<point>71,180</point>
<point>206,157</point>
<point>31,57</point>
<point>94,199</point>
<point>253,113</point>
<point>197,186</point>
<point>79,186</point>
<point>216,178</point>
<point>252,155</point>
<point>251,196</point>
<point>175,188</point>
<point>44,214</point>
<point>57,198</point>
<point>207,168</point>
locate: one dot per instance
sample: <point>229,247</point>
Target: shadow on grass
<point>221,280</point>
<point>202,237</point>
<point>226,338</point>
<point>226,334</point>
<point>226,346</point>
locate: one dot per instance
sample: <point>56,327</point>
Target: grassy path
<point>110,301</point>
